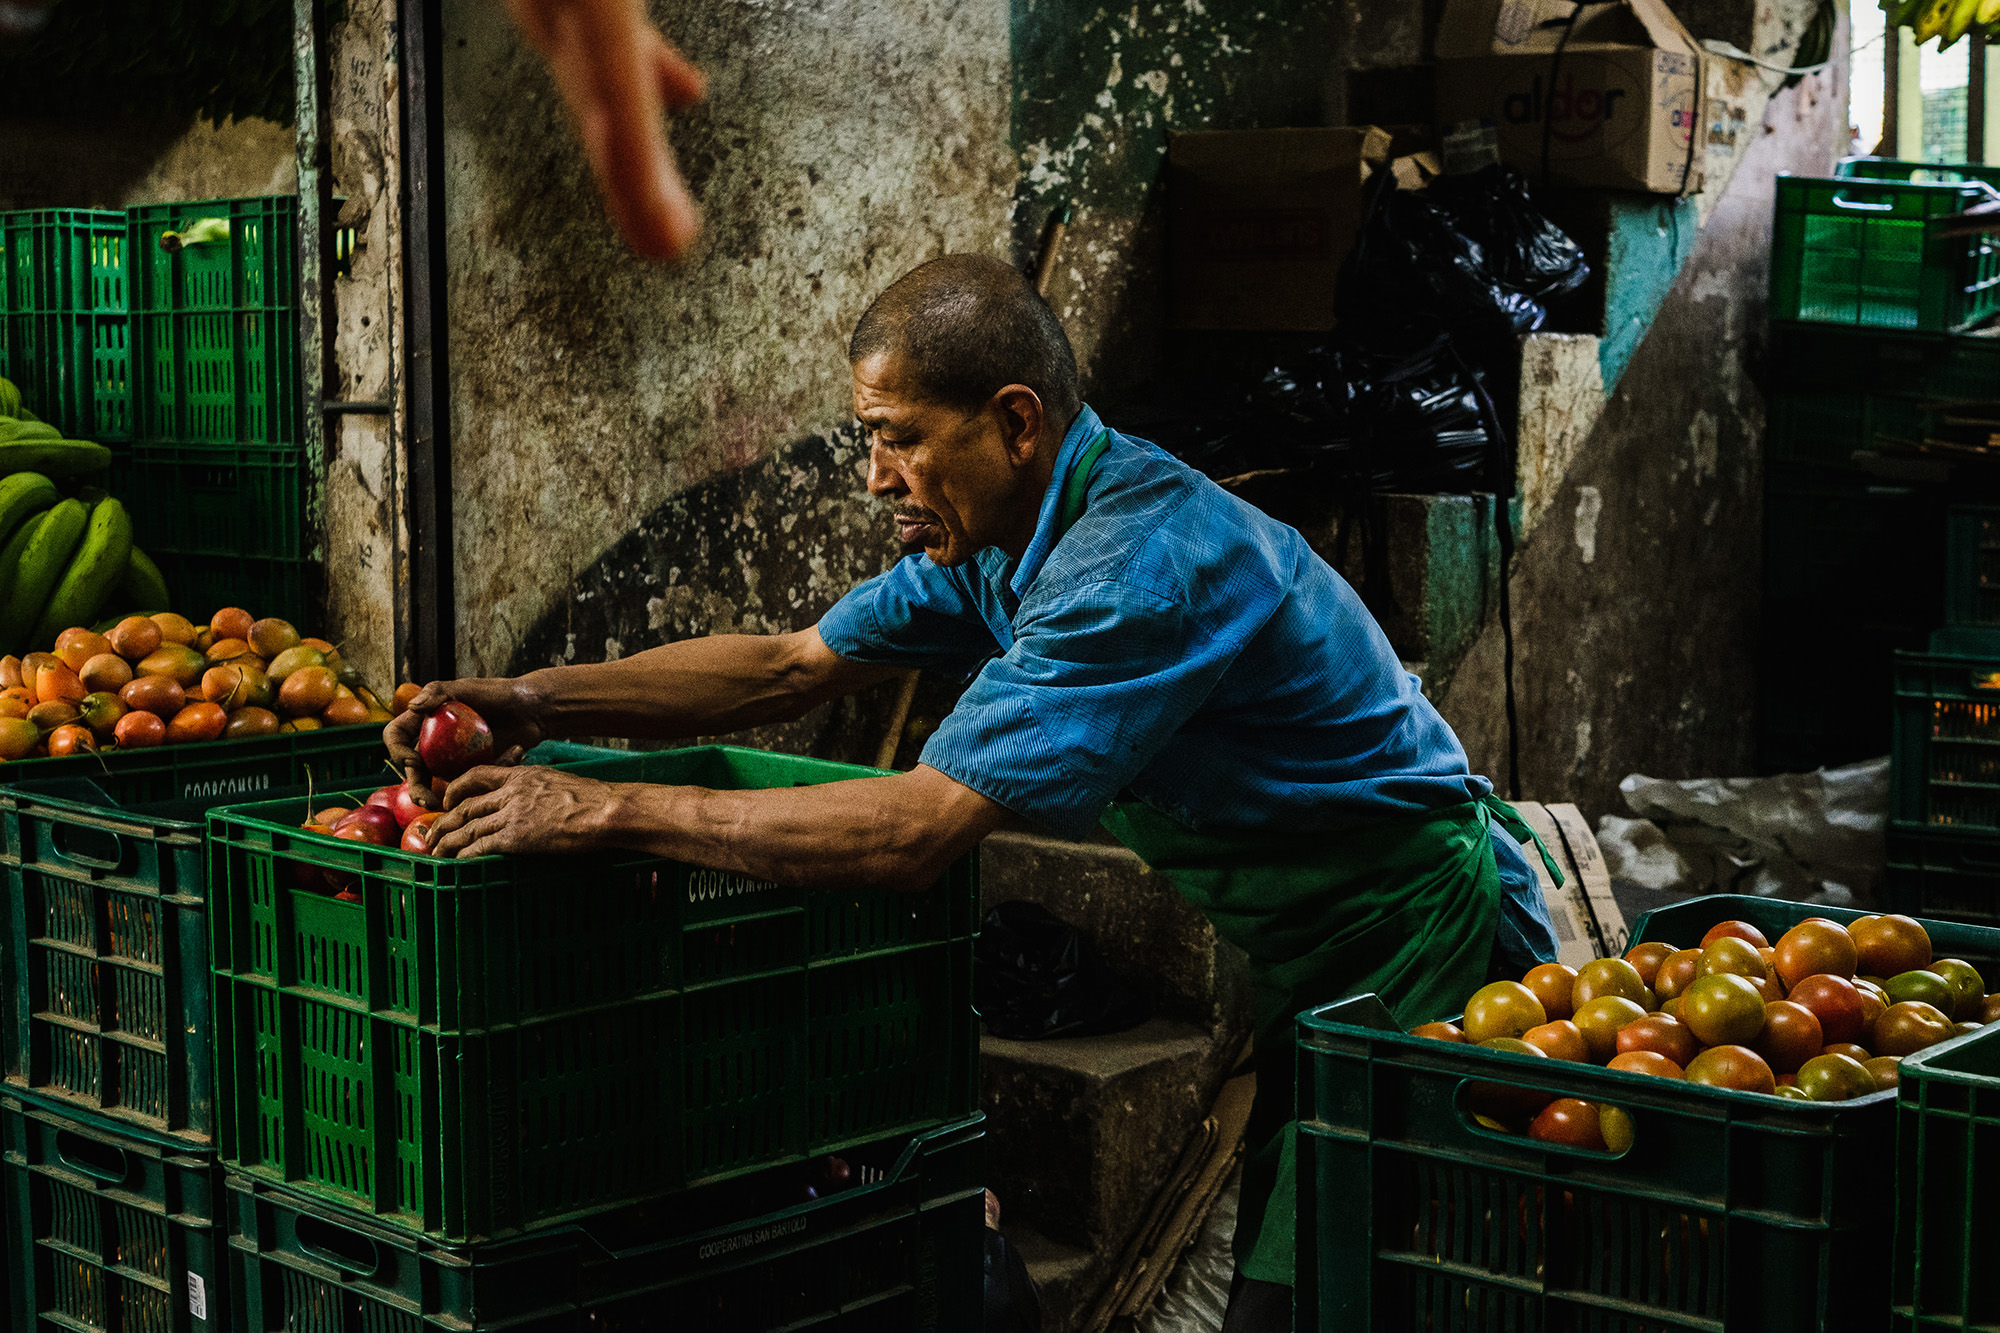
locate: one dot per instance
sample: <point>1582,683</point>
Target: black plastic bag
<point>1037,976</point>
<point>1012,1303</point>
<point>1525,252</point>
<point>1412,266</point>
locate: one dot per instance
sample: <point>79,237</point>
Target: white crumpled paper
<point>1809,837</point>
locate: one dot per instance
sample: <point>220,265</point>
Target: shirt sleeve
<point>1095,685</point>
<point>915,614</point>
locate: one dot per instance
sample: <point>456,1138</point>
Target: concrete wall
<point>115,164</point>
<point>1635,599</point>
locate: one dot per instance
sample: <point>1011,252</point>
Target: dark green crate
<point>899,1254</point>
<point>1947,1151</point>
<point>215,500</point>
<point>1945,765</point>
<point>108,1230</point>
<point>1947,874</point>
<point>201,585</point>
<point>1731,1213</point>
<point>104,923</point>
<point>1839,393</point>
<point>329,757</point>
<point>64,327</point>
<point>1972,563</point>
<point>216,325</point>
<point>519,1040</point>
<point>1862,251</point>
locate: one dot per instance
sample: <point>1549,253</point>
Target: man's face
<point>957,484</point>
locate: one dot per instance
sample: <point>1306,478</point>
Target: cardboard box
<point>1587,921</point>
<point>1606,94</point>
<point>1260,222</point>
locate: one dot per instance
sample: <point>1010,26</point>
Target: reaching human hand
<point>506,704</point>
<point>622,79</point>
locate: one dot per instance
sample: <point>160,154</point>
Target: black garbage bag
<point>1012,1303</point>
<point>1525,252</point>
<point>1412,266</point>
<point>1037,976</point>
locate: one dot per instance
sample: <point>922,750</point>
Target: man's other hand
<point>622,79</point>
<point>525,809</point>
<point>505,704</point>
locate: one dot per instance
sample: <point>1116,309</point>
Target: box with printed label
<point>1593,95</point>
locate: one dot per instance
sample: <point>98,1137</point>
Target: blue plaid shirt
<point>1180,645</point>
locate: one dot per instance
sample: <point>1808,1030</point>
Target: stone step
<point>1148,934</point>
<point>1081,1131</point>
<point>1066,1278</point>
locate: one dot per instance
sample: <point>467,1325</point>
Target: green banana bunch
<point>43,558</point>
<point>1946,20</point>
<point>36,446</point>
<point>10,398</point>
<point>144,586</point>
<point>99,564</point>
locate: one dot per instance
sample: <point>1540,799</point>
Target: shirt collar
<point>1081,432</point>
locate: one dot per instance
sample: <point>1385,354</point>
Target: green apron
<point>1405,907</point>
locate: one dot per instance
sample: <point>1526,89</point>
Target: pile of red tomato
<point>1826,1014</point>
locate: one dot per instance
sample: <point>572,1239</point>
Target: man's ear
<point>1018,409</point>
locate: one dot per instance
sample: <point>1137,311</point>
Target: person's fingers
<point>476,782</point>
<point>681,83</point>
<point>429,699</point>
<point>454,840</point>
<point>400,735</point>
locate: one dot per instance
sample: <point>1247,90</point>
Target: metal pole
<point>427,367</point>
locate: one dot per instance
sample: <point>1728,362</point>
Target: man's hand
<point>507,705</point>
<point>621,79</point>
<point>523,809</point>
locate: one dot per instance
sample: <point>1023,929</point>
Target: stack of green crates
<point>591,1092</point>
<point>64,333</point>
<point>1947,1121</point>
<point>1875,323</point>
<point>1729,1211</point>
<point>219,417</point>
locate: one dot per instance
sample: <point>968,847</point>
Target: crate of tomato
<point>473,1048</point>
<point>1702,1161</point>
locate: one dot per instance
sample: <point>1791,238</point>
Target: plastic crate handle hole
<point>97,848</point>
<point>92,1157</point>
<point>349,1251</point>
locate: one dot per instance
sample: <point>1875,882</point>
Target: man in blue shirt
<point>1159,658</point>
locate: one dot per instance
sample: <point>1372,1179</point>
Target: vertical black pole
<point>433,616</point>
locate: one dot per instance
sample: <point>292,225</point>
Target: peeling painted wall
<point>840,145</point>
<point>1636,596</point>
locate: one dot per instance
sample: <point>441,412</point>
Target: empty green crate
<point>899,1253</point>
<point>108,1230</point>
<point>1862,251</point>
<point>1945,764</point>
<point>1944,873</point>
<point>1731,1212</point>
<point>215,326</point>
<point>201,585</point>
<point>215,500</point>
<point>1837,393</point>
<point>1947,1152</point>
<point>478,1047</point>
<point>65,335</point>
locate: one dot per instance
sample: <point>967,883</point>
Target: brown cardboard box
<point>1261,221</point>
<point>1612,98</point>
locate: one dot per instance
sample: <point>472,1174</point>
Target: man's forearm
<point>696,687</point>
<point>897,832</point>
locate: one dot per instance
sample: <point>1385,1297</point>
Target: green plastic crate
<point>216,500</point>
<point>65,335</point>
<point>215,326</point>
<point>1861,251</point>
<point>104,920</point>
<point>329,757</point>
<point>1945,764</point>
<point>479,1047</point>
<point>1947,874</point>
<point>899,1254</point>
<point>1972,564</point>
<point>1731,1213</point>
<point>1947,1148</point>
<point>1838,393</point>
<point>201,585</point>
<point>108,1230</point>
